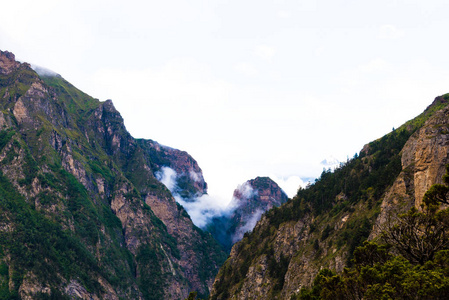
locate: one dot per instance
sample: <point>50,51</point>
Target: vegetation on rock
<point>413,262</point>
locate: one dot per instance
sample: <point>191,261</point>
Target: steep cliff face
<point>321,226</point>
<point>424,160</point>
<point>82,213</point>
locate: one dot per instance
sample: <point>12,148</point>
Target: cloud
<point>375,65</point>
<point>389,32</point>
<point>200,209</point>
<point>246,69</point>
<point>43,71</point>
<point>167,176</point>
<point>330,162</point>
<point>242,193</point>
<point>246,190</point>
<point>195,176</point>
<point>283,14</point>
<point>290,184</point>
<point>265,52</point>
<point>249,226</point>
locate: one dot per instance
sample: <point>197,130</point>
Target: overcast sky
<point>248,88</point>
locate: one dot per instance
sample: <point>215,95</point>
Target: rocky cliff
<point>322,225</point>
<point>82,214</point>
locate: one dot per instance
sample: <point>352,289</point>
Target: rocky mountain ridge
<point>82,214</point>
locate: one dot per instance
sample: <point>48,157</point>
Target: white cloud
<point>390,32</point>
<point>330,162</point>
<point>43,71</point>
<point>246,190</point>
<point>200,209</point>
<point>265,52</point>
<point>246,69</point>
<point>194,176</point>
<point>283,14</point>
<point>168,177</point>
<point>249,226</point>
<point>375,65</point>
<point>290,184</point>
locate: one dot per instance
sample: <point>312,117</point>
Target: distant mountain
<point>249,202</point>
<point>82,213</point>
<point>321,226</point>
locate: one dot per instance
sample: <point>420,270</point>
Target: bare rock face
<point>424,160</point>
<point>8,63</point>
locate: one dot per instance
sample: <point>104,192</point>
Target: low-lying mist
<point>202,208</point>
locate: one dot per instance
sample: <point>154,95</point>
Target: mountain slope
<point>321,226</point>
<point>82,213</point>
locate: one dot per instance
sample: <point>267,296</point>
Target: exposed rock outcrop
<point>424,160</point>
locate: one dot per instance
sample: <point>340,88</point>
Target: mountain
<point>249,202</point>
<point>321,226</point>
<point>190,182</point>
<point>82,213</point>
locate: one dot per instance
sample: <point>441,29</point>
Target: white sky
<point>248,88</point>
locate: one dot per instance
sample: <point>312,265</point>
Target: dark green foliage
<point>193,296</point>
<point>376,172</point>
<point>211,254</point>
<point>5,137</point>
<point>30,168</point>
<point>101,169</point>
<point>17,84</point>
<point>150,280</point>
<point>394,278</point>
<point>316,245</point>
<point>420,271</point>
<point>4,280</point>
<point>355,234</point>
<point>78,103</point>
<point>363,178</point>
<point>277,270</point>
<point>326,232</point>
<point>111,220</point>
<point>321,280</point>
<point>84,213</point>
<point>418,235</point>
<point>40,246</point>
<point>371,254</point>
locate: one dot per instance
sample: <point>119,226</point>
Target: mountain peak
<point>8,63</point>
<point>250,200</point>
<point>444,99</point>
